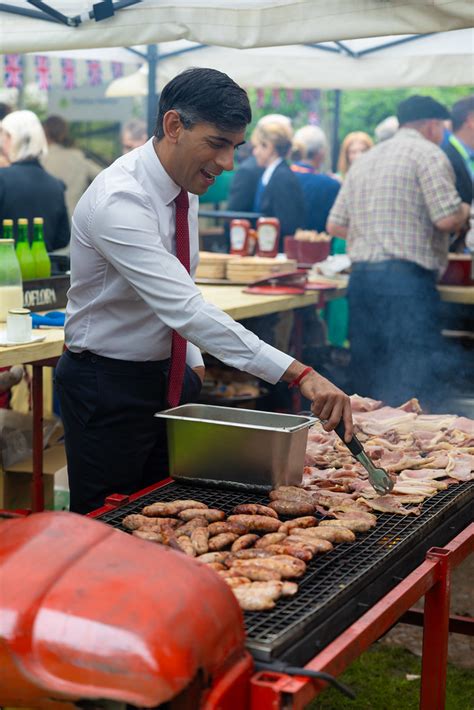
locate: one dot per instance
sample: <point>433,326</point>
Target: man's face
<point>264,153</point>
<point>201,153</point>
<point>437,131</point>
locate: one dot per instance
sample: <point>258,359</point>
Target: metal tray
<point>236,447</point>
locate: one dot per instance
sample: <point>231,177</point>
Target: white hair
<point>312,139</point>
<point>386,129</point>
<point>27,135</point>
<point>274,118</point>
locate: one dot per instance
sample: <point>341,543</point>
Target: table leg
<point>37,386</point>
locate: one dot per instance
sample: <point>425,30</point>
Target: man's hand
<point>200,371</point>
<point>328,402</point>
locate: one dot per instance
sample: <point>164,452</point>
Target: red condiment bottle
<point>239,236</point>
<point>268,236</point>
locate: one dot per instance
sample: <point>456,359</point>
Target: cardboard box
<point>16,482</point>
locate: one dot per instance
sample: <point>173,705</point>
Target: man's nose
<point>225,159</point>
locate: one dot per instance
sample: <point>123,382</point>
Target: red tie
<point>178,343</point>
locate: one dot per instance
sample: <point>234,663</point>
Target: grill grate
<point>332,579</point>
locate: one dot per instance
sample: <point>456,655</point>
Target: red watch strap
<point>301,376</point>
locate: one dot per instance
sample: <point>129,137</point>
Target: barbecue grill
<point>339,586</point>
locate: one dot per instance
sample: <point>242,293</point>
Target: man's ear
<point>172,126</point>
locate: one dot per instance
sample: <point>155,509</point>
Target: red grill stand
<point>432,580</point>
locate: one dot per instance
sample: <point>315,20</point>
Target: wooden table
<point>457,294</point>
<point>45,353</point>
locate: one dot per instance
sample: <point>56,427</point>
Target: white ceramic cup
<point>19,325</point>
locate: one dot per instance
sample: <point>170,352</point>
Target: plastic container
<point>460,270</point>
<point>290,247</point>
<point>311,252</point>
<point>237,447</point>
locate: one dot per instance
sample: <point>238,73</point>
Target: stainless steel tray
<point>238,447</point>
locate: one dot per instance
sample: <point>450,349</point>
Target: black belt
<point>145,366</point>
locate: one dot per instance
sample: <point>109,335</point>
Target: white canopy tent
<point>229,23</point>
<point>444,59</point>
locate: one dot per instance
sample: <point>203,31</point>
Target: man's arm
<point>338,220</point>
<point>455,221</point>
<point>328,402</point>
<point>336,230</point>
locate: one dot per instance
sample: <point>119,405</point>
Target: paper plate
<point>4,343</point>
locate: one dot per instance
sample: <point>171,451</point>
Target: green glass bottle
<point>23,251</point>
<point>7,229</point>
<point>11,291</point>
<point>38,251</point>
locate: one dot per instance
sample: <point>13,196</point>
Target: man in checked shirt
<point>396,208</point>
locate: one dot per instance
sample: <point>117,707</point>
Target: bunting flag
<point>117,69</point>
<point>13,72</point>
<point>260,98</point>
<point>313,118</point>
<point>94,72</point>
<point>68,67</point>
<point>276,98</point>
<point>43,72</point>
<point>290,96</point>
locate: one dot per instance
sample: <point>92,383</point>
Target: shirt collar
<point>167,189</point>
<point>409,132</point>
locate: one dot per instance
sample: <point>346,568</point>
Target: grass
<point>379,679</point>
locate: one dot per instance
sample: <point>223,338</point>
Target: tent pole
<point>153,58</point>
<point>335,128</point>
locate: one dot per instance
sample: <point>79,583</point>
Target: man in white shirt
<point>134,311</point>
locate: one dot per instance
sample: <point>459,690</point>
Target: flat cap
<point>419,108</point>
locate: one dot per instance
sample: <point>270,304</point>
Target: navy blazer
<point>461,172</point>
<point>244,186</point>
<point>283,198</point>
<point>27,190</point>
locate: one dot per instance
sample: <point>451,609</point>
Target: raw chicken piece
<point>364,404</point>
<point>390,504</point>
<point>259,598</point>
<point>333,535</point>
<point>422,474</point>
<point>349,523</point>
<point>460,466</point>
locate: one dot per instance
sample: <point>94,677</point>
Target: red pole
<point>37,493</point>
<point>435,635</point>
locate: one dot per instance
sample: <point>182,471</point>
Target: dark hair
<point>202,95</point>
<point>57,131</point>
<point>461,111</point>
<point>5,109</point>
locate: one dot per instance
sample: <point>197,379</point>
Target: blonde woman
<point>278,191</point>
<point>353,146</point>
<point>26,189</point>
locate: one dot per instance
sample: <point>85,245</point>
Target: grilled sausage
<point>200,540</point>
<point>316,545</point>
<point>246,568</point>
<point>148,535</point>
<point>234,580</point>
<point>250,554</point>
<point>293,507</point>
<point>187,528</point>
<point>254,509</point>
<point>287,589</point>
<point>220,542</point>
<point>294,550</point>
<point>287,566</point>
<point>333,534</point>
<point>254,599</point>
<point>210,514</point>
<point>162,510</point>
<point>225,527</point>
<point>216,566</point>
<point>290,493</point>
<point>186,545</point>
<point>271,539</point>
<point>135,521</point>
<point>210,557</point>
<point>308,521</point>
<point>243,542</point>
<point>256,523</point>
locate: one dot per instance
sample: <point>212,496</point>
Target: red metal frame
<point>431,579</point>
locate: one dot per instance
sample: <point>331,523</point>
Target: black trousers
<point>114,444</point>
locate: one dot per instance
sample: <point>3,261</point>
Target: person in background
<point>395,208</point>
<point>279,193</point>
<point>244,184</point>
<point>386,129</point>
<point>5,109</point>
<point>459,146</point>
<point>352,147</point>
<point>319,190</point>
<point>136,322</point>
<point>66,162</point>
<point>26,189</point>
<point>134,134</point>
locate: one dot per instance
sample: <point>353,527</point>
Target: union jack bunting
<point>117,70</point>
<point>13,72</point>
<point>94,71</point>
<point>290,96</point>
<point>68,68</point>
<point>43,72</point>
<point>276,100</point>
<point>260,98</point>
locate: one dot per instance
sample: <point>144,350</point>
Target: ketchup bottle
<point>268,236</point>
<point>239,236</point>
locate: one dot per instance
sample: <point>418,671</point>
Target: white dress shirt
<point>266,177</point>
<point>128,289</point>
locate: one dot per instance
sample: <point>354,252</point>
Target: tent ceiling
<point>230,23</point>
<point>443,59</point>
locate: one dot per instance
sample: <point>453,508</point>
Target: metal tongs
<point>378,477</point>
